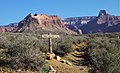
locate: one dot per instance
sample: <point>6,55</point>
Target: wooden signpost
<point>50,36</point>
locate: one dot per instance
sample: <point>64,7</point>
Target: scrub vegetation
<point>25,51</point>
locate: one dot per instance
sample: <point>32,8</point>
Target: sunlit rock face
<point>104,22</point>
<point>74,23</point>
<point>42,23</point>
<point>8,28</point>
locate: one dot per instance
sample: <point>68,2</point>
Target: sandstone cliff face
<point>104,22</point>
<point>104,17</point>
<point>74,23</point>
<point>3,29</point>
<point>78,21</point>
<point>42,23</point>
<point>8,28</point>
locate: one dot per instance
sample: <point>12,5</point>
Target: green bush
<point>21,51</point>
<point>104,53</point>
<point>63,45</point>
<point>25,50</point>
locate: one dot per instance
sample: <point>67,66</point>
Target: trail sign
<point>49,36</point>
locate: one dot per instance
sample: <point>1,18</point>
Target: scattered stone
<point>48,53</point>
<point>19,70</point>
<point>63,61</point>
<point>50,56</point>
<point>51,69</point>
<point>43,53</point>
<point>67,62</point>
<point>58,58</point>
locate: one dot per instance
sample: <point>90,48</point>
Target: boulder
<point>50,56</point>
<point>43,53</point>
<point>67,62</point>
<point>63,61</point>
<point>19,70</point>
<point>51,69</point>
<point>58,58</point>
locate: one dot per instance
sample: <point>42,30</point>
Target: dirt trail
<point>73,57</point>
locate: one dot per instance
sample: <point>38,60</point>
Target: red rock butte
<point>43,23</point>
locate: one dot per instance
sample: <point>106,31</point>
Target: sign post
<point>50,36</point>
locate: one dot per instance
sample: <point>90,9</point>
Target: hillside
<point>104,22</point>
<point>8,28</point>
<point>42,23</point>
<point>27,52</point>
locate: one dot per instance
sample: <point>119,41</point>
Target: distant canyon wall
<point>104,22</point>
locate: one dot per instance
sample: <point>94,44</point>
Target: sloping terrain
<point>8,28</point>
<point>42,23</point>
<point>104,22</point>
<point>73,58</point>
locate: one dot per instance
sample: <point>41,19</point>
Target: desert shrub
<point>104,53</point>
<point>63,45</point>
<point>45,69</point>
<point>21,51</point>
<point>82,39</point>
<point>25,57</point>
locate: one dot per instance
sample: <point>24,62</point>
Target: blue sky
<point>15,10</point>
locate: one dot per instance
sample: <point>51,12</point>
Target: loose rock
<point>51,70</point>
<point>58,58</point>
<point>63,61</point>
<point>50,56</point>
<point>67,62</point>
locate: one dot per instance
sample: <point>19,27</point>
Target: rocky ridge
<point>8,28</point>
<point>104,22</point>
<point>42,23</point>
<point>101,23</point>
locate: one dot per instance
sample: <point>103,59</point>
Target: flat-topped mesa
<point>42,22</point>
<point>43,16</point>
<point>48,21</point>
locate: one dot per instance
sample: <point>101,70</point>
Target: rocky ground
<point>65,68</point>
<point>72,64</point>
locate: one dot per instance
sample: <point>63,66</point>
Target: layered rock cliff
<point>104,22</point>
<point>8,28</point>
<point>42,23</point>
<point>78,21</point>
<point>101,23</point>
<point>74,23</point>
